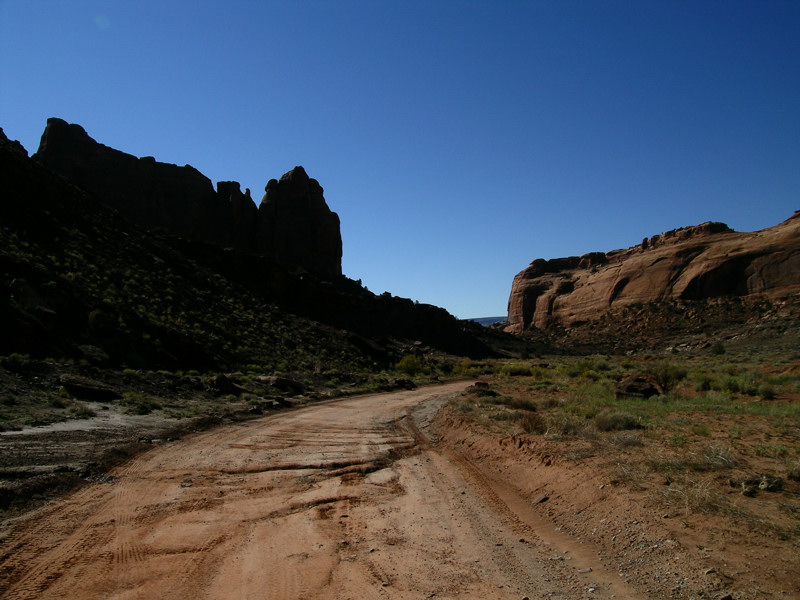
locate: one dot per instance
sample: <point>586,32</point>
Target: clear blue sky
<point>457,140</point>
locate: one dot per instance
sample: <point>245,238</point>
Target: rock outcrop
<point>693,263</point>
<point>294,225</point>
<point>80,281</point>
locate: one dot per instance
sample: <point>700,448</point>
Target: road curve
<point>346,499</point>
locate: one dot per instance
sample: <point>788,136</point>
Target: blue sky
<point>457,140</point>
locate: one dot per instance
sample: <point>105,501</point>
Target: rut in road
<point>337,500</point>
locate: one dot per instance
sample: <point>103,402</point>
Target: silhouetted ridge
<point>294,224</point>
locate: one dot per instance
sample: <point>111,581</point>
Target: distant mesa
<point>692,263</point>
<point>293,225</point>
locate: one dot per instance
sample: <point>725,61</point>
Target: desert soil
<point>368,497</point>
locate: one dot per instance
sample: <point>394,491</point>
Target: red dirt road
<point>347,499</point>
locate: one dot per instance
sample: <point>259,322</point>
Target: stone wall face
<point>692,263</point>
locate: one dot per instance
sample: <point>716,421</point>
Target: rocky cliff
<point>80,281</point>
<point>294,225</point>
<point>693,263</point>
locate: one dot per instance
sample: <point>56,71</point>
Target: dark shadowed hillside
<point>83,281</point>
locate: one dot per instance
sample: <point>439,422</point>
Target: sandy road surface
<point>347,499</point>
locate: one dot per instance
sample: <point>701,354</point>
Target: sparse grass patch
<point>700,429</point>
<point>139,404</point>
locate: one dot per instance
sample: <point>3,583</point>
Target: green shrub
<point>702,382</point>
<point>516,370</point>
<point>410,364</point>
<point>666,374</point>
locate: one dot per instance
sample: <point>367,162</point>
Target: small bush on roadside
<point>410,364</point>
<point>532,422</point>
<point>563,423</point>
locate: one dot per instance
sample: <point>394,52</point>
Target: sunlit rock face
<point>293,224</point>
<point>692,263</point>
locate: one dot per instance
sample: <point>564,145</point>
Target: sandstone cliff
<point>294,225</point>
<point>692,263</point>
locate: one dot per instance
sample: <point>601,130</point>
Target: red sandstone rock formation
<point>692,263</point>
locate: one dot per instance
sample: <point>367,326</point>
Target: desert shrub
<point>591,374</point>
<point>677,440</point>
<point>564,423</point>
<point>515,370</point>
<point>56,402</point>
<point>532,422</point>
<point>586,367</point>
<point>730,384</point>
<point>627,439</point>
<point>139,404</point>
<point>410,364</point>
<point>666,374</point>
<point>616,421</point>
<point>520,403</point>
<point>771,450</point>
<point>766,391</point>
<point>717,349</point>
<point>713,458</point>
<point>550,403</point>
<point>702,382</point>
<point>506,415</point>
<point>468,368</point>
<point>83,412</point>
<point>538,372</point>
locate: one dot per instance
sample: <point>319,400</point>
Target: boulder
<point>225,385</point>
<point>636,387</point>
<point>84,388</point>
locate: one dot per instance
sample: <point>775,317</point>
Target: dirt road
<point>348,499</point>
